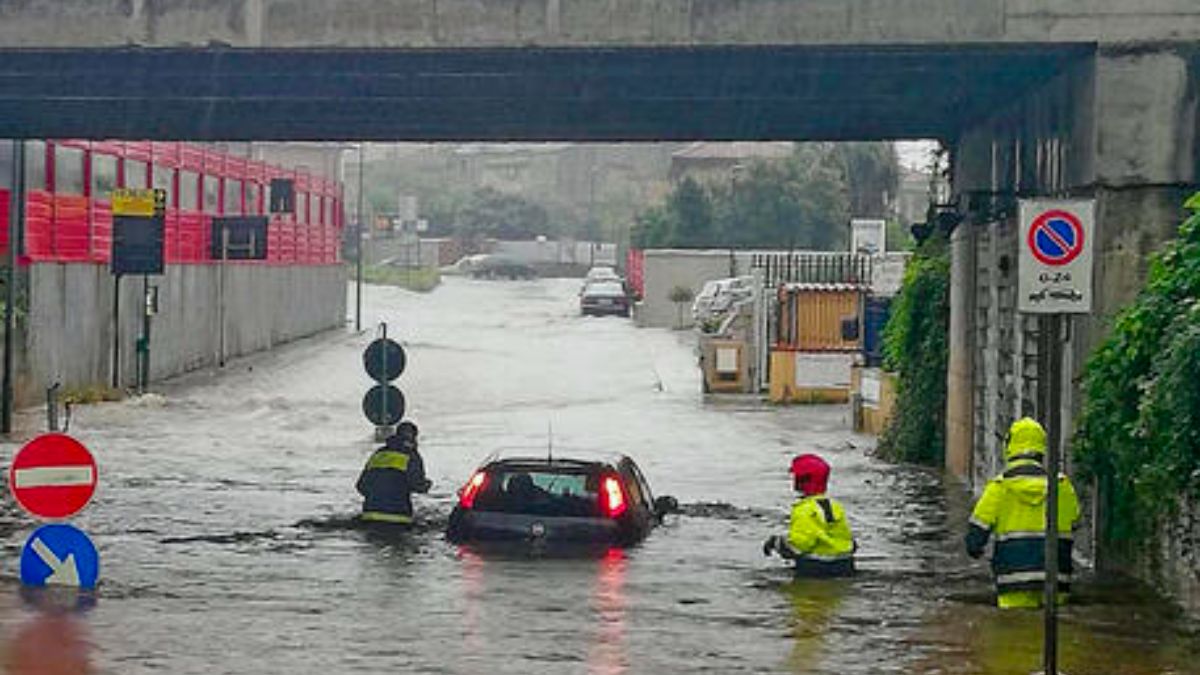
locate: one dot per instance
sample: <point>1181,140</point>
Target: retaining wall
<point>70,329</point>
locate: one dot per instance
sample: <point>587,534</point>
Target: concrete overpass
<point>1094,98</point>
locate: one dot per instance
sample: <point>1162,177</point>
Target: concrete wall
<point>1121,128</point>
<point>70,330</point>
<point>522,23</point>
<point>667,268</point>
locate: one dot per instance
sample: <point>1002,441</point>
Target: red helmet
<point>810,474</point>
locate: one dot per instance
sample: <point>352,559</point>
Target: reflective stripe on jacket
<point>387,483</point>
<point>819,536</point>
<point>1013,510</point>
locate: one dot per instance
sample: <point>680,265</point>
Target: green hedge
<point>1139,431</point>
<point>915,348</point>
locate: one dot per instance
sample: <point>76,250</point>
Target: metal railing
<point>811,267</point>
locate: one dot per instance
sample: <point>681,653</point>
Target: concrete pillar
<point>960,392</point>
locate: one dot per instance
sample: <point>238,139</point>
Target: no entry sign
<point>53,476</point>
<point>1054,275</point>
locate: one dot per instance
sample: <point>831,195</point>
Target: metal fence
<point>813,267</point>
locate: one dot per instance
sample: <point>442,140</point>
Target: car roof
<point>610,286</point>
<point>563,458</point>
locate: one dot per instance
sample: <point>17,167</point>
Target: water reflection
<point>814,604</point>
<point>49,643</point>
<point>606,655</point>
<point>1093,640</point>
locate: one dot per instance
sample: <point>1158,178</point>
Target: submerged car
<point>604,297</point>
<point>557,501</point>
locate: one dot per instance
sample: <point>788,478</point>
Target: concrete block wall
<point>667,268</point>
<point>70,328</point>
<point>522,23</point>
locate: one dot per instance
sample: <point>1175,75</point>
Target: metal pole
<point>144,373</point>
<point>221,281</point>
<point>1052,323</point>
<point>116,355</point>
<point>358,237</point>
<point>16,216</point>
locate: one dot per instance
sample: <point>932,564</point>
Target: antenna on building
<point>549,441</point>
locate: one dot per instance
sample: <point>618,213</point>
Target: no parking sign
<point>1054,275</point>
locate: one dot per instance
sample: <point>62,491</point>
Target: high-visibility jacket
<point>819,538</point>
<point>387,482</point>
<point>1013,510</point>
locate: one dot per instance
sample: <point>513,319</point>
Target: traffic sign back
<point>53,476</point>
<point>384,360</point>
<point>384,406</point>
<point>60,555</point>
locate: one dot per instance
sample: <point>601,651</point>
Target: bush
<point>1139,431</point>
<point>915,348</point>
<point>422,279</point>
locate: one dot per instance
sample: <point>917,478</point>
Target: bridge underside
<point>619,94</point>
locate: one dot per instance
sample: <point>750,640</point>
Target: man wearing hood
<point>1013,509</point>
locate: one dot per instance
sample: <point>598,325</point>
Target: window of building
<point>104,175</point>
<point>164,179</point>
<point>136,174</point>
<point>302,208</point>
<point>189,190</point>
<point>35,165</point>
<point>7,159</point>
<point>328,210</point>
<point>233,197</point>
<point>68,170</point>
<point>211,194</point>
<point>252,193</point>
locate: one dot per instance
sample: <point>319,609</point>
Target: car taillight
<point>466,496</point>
<point>612,498</point>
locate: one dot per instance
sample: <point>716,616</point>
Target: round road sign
<point>384,360</point>
<point>384,406</point>
<point>53,476</point>
<point>1056,237</point>
<point>59,554</point>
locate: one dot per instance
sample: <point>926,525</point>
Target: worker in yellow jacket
<point>819,541</point>
<point>1013,511</point>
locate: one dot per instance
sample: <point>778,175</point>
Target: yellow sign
<point>138,202</point>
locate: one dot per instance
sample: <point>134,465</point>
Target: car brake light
<point>613,498</point>
<point>466,496</point>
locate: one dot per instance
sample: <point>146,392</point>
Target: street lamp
<point>358,237</point>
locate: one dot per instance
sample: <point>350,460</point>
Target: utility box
<point>875,393</point>
<point>725,366</point>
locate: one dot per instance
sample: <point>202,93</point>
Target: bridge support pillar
<point>1120,127</point>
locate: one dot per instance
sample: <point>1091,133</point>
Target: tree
<point>680,295</point>
<point>801,202</point>
<point>492,214</point>
<point>693,211</point>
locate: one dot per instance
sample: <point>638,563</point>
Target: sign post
<point>139,225</point>
<point>1054,280</point>
<point>54,477</point>
<point>384,360</point>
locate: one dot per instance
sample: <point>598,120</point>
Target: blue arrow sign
<point>60,555</point>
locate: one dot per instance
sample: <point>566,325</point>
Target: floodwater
<point>221,522</point>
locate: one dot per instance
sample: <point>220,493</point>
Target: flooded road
<point>223,502</point>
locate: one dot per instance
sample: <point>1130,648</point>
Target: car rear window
<point>544,493</point>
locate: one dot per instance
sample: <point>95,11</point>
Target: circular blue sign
<point>60,555</point>
<point>1056,237</point>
